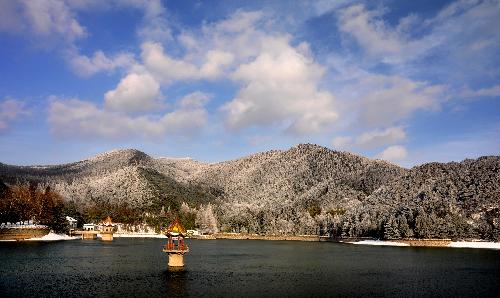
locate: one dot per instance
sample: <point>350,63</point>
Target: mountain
<point>453,199</point>
<point>119,177</point>
<point>301,190</point>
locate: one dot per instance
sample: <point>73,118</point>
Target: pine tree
<point>423,226</point>
<point>391,230</point>
<point>404,228</point>
<point>206,220</point>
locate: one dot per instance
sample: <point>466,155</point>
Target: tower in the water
<point>176,246</point>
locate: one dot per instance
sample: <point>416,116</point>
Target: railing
<point>175,247</point>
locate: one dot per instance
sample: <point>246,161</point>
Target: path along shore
<point>358,241</point>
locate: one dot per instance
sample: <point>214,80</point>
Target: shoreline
<point>21,233</point>
<point>139,235</point>
<point>446,243</point>
<point>309,238</point>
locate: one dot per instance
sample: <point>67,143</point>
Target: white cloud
<point>165,67</point>
<point>155,25</point>
<point>279,82</point>
<point>390,44</point>
<point>11,17</point>
<point>216,62</point>
<point>280,85</point>
<point>195,99</point>
<point>492,91</point>
<point>75,117</point>
<point>11,110</point>
<point>369,31</point>
<point>487,92</point>
<point>258,140</point>
<point>386,100</point>
<point>325,6</point>
<point>393,153</point>
<point>135,93</point>
<point>54,23</point>
<point>168,69</point>
<point>87,66</point>
<point>379,138</point>
<point>49,17</point>
<point>342,143</point>
<point>454,37</point>
<point>238,22</point>
<point>371,139</point>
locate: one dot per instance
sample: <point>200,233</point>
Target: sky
<point>405,81</point>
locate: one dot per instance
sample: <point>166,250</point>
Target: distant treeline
<point>360,221</point>
<point>31,202</point>
<point>39,204</point>
<point>27,202</point>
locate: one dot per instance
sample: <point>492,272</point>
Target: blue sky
<point>405,81</point>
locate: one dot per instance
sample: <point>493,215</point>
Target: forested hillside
<point>306,189</point>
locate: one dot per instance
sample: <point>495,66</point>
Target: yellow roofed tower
<point>176,246</point>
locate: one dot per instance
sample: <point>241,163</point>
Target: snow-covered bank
<point>20,225</point>
<point>457,244</point>
<point>54,237</point>
<point>378,242</point>
<point>475,244</point>
<point>116,235</point>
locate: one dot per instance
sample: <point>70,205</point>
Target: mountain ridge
<point>287,191</point>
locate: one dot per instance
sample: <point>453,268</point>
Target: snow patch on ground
<point>475,244</point>
<point>139,235</point>
<point>54,237</point>
<point>19,225</point>
<point>378,242</point>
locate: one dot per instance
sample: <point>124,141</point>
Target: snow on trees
<point>206,220</point>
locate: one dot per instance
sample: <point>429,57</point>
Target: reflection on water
<point>138,267</point>
<point>175,282</point>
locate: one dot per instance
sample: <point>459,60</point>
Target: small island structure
<point>176,246</point>
<point>107,230</point>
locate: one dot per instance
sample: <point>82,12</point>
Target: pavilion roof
<point>176,227</point>
<point>107,221</point>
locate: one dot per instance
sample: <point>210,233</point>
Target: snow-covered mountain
<point>288,191</point>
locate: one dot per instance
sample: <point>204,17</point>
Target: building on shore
<point>89,232</point>
<point>191,233</point>
<point>90,227</point>
<point>71,222</point>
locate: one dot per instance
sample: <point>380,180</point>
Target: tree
<point>59,224</point>
<point>391,230</point>
<point>205,219</point>
<point>404,228</point>
<point>3,189</point>
<point>314,210</point>
<point>423,226</point>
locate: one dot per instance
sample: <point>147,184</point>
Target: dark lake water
<point>138,268</point>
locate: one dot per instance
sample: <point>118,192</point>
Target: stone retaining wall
<point>266,237</point>
<point>425,242</point>
<point>22,234</point>
<point>411,242</point>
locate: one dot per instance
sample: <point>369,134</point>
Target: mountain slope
<point>303,176</point>
<point>456,199</point>
<point>295,191</point>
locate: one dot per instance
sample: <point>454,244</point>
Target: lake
<point>137,267</point>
